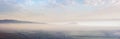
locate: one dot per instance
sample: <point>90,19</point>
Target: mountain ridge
<point>12,21</point>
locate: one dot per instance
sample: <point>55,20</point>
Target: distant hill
<point>10,21</point>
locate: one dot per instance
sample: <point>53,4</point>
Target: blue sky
<point>10,5</point>
<point>58,9</point>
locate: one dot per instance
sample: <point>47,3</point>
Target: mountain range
<point>11,21</point>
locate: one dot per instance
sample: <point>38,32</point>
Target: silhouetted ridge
<point>15,21</point>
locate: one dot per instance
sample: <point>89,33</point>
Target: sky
<point>62,12</point>
<point>59,10</point>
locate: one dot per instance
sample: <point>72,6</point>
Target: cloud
<point>38,5</point>
<point>56,9</point>
<point>16,5</point>
<point>88,3</point>
<point>102,3</point>
<point>6,6</point>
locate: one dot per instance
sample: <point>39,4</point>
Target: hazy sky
<point>59,10</point>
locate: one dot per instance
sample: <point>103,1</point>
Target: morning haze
<point>56,19</point>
